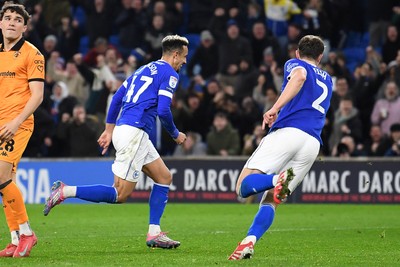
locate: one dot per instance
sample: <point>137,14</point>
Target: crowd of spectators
<point>234,71</point>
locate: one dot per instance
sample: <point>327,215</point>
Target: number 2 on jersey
<point>147,81</point>
<point>317,102</point>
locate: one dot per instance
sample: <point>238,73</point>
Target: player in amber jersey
<point>287,152</point>
<point>21,92</point>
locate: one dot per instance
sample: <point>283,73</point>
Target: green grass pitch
<point>302,235</point>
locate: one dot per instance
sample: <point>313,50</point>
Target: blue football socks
<point>262,221</point>
<point>256,183</point>
<point>157,202</point>
<point>97,193</point>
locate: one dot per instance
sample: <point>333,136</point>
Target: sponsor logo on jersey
<point>4,154</point>
<point>38,61</point>
<point>7,74</point>
<point>16,54</point>
<point>173,81</point>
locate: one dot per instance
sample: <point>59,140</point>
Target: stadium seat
<point>84,45</point>
<point>79,14</point>
<point>354,56</point>
<point>194,42</point>
<point>114,40</point>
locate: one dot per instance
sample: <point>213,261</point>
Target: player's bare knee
<point>165,179</point>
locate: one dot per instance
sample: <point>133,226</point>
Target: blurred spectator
<point>68,36</point>
<point>41,139</point>
<point>223,139</point>
<point>80,133</point>
<point>193,146</point>
<point>153,37</point>
<point>347,148</point>
<point>341,90</point>
<point>391,44</point>
<point>390,75</point>
<point>77,86</point>
<point>103,83</point>
<point>316,22</point>
<point>211,91</point>
<point>336,65</point>
<point>192,116</point>
<point>226,102</point>
<point>250,115</point>
<point>346,122</point>
<point>100,47</point>
<point>279,14</point>
<point>269,68</point>
<point>232,49</point>
<point>294,34</point>
<point>337,14</point>
<point>386,111</point>
<point>247,79</point>
<point>379,14</point>
<point>255,14</point>
<point>260,40</point>
<point>199,14</point>
<point>225,11</point>
<point>364,91</point>
<point>204,62</point>
<point>251,141</point>
<point>377,144</point>
<point>271,95</point>
<point>49,46</point>
<point>394,150</point>
<point>131,23</point>
<point>53,11</point>
<point>373,58</point>
<point>171,11</point>
<point>61,101</point>
<point>99,16</point>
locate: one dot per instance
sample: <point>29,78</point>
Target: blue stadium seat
<point>354,56</point>
<point>194,42</point>
<point>79,14</point>
<point>114,40</point>
<point>84,45</point>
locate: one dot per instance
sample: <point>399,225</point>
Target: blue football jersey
<point>307,110</point>
<point>145,94</point>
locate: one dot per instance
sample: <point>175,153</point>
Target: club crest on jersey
<point>173,81</point>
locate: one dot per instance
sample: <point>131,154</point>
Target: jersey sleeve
<point>35,66</point>
<point>165,94</point>
<point>116,103</point>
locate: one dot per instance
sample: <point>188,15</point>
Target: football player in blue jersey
<point>147,93</point>
<point>287,152</point>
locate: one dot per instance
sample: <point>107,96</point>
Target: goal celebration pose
<point>147,93</point>
<point>287,152</point>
